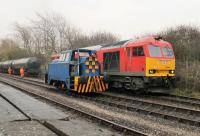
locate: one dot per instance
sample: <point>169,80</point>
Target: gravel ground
<point>159,123</point>
<point>153,108</point>
<point>148,124</point>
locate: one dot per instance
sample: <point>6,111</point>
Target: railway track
<point>164,97</point>
<point>113,125</point>
<point>145,106</point>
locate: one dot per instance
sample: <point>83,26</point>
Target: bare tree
<point>45,27</point>
<point>49,33</point>
<point>24,33</point>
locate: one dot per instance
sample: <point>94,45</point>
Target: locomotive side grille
<point>93,84</point>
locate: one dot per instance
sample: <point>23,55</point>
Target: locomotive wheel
<point>133,86</point>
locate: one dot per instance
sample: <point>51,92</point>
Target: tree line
<point>47,34</point>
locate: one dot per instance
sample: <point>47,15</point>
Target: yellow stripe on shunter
<point>91,85</point>
<point>83,88</point>
<point>96,85</point>
<point>76,83</point>
<point>88,83</point>
<point>99,83</point>
<point>102,83</point>
<point>79,89</point>
<point>75,87</point>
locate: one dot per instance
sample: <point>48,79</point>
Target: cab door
<point>138,59</point>
<point>128,59</point>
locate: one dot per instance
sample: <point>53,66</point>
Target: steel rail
<point>168,97</point>
<point>173,98</point>
<point>113,125</point>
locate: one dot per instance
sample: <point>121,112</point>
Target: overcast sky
<point>127,18</point>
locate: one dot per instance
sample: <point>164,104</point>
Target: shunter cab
<point>77,70</point>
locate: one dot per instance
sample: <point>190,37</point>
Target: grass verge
<point>186,92</point>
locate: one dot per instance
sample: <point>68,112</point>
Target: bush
<point>186,43</point>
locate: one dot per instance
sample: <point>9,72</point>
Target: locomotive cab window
<point>167,52</point>
<point>138,51</point>
<point>79,54</point>
<point>154,51</point>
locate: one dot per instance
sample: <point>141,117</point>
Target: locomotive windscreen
<point>111,61</point>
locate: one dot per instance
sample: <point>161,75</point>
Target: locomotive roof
<point>126,43</point>
<point>119,43</point>
<point>98,47</point>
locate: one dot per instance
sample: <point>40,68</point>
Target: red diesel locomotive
<point>138,64</point>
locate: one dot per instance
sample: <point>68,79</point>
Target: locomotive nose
<point>160,67</point>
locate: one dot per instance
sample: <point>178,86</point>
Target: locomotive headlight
<point>172,71</point>
<point>152,71</point>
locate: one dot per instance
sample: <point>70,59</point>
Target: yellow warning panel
<point>90,66</point>
<point>87,70</point>
<point>87,63</point>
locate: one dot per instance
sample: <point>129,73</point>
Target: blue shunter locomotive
<point>77,70</point>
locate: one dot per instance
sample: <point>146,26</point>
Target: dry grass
<point>189,75</point>
<point>186,92</point>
